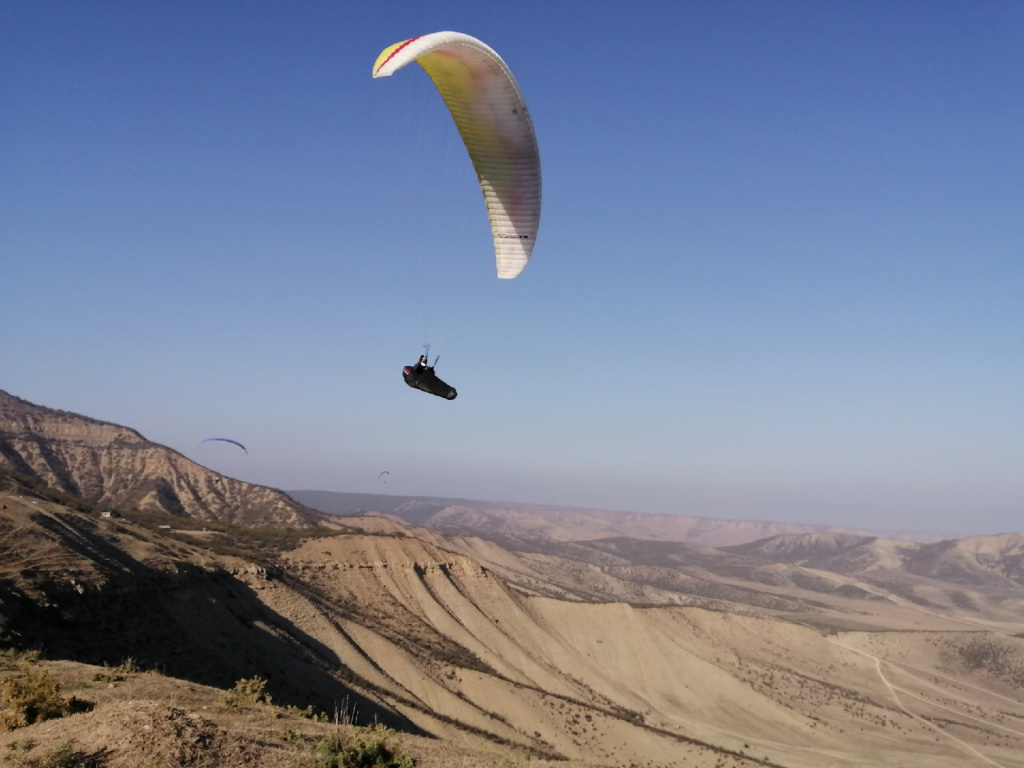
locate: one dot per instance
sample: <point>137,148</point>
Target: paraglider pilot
<point>422,377</point>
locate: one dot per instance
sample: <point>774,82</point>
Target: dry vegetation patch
<point>1000,657</point>
<point>146,719</point>
<point>30,694</point>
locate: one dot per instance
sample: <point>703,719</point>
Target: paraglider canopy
<point>490,113</point>
<point>224,440</point>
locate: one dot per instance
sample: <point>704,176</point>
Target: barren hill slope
<point>839,552</point>
<point>970,559</point>
<point>973,560</point>
<point>418,632</point>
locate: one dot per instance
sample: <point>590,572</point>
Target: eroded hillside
<point>435,637</point>
<point>114,466</point>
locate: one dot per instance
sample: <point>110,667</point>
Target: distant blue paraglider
<point>225,440</point>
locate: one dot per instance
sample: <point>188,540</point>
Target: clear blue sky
<point>779,274</point>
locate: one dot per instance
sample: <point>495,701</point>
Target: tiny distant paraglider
<point>381,476</point>
<point>224,440</point>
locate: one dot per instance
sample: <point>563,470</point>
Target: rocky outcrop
<point>111,465</point>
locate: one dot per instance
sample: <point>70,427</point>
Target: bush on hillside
<point>371,747</point>
<point>31,696</point>
<point>247,691</point>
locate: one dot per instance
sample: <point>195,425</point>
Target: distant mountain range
<point>536,521</point>
<point>114,465</point>
<point>505,633</point>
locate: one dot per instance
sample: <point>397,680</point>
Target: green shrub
<point>246,691</point>
<point>361,748</point>
<point>31,697</point>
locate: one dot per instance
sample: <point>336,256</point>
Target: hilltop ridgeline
<point>110,465</point>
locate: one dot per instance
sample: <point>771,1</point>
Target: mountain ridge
<point>109,464</point>
<point>561,523</point>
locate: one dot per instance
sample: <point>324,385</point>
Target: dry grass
<point>145,718</point>
<point>63,755</point>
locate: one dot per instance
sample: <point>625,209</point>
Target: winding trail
<point>963,683</point>
<point>895,697</point>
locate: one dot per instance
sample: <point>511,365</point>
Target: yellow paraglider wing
<point>490,113</point>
